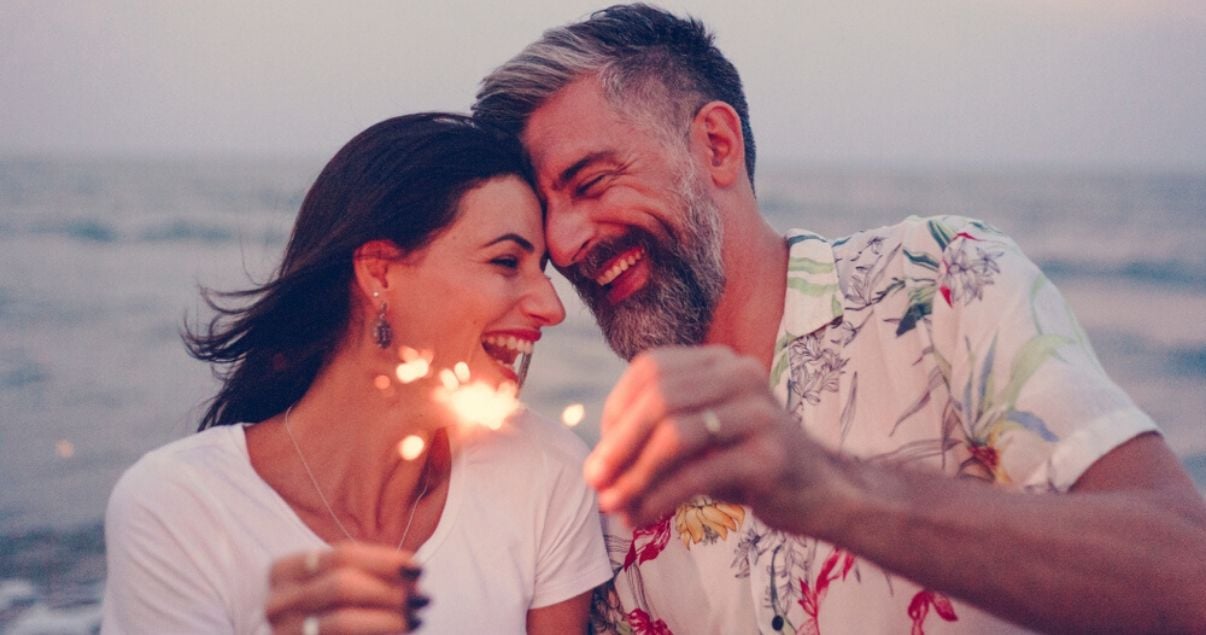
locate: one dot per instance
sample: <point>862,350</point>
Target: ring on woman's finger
<point>311,564</point>
<point>711,423</point>
<point>310,625</point>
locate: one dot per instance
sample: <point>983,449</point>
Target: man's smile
<point>624,275</point>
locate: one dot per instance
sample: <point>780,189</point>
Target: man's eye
<point>584,188</point>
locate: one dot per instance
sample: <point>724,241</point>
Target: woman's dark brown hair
<point>400,180</point>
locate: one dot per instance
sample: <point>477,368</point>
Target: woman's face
<point>478,293</point>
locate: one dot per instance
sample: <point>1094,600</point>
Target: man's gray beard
<point>686,279</point>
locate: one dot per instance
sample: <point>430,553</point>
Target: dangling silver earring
<point>383,335</point>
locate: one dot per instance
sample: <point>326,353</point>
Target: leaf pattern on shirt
<point>815,368</point>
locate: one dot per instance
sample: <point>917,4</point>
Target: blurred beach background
<point>146,148</point>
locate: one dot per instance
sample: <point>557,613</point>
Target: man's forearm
<point>1129,560</point>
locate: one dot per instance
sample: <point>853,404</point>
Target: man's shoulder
<point>927,232</point>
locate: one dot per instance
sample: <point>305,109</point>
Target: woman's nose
<point>544,304</point>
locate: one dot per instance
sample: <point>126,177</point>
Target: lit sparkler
<point>472,403</point>
<point>478,403</point>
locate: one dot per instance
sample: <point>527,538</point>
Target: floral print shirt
<point>934,344</point>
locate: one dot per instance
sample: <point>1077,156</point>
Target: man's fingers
<point>722,473</point>
<point>625,438</point>
<point>649,368</point>
<point>656,386</point>
<point>674,440</point>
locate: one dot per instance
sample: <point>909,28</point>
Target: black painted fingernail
<point>418,601</point>
<point>410,571</point>
<point>413,623</point>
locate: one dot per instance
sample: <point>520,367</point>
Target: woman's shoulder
<point>181,464</point>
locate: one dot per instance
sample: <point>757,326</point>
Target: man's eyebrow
<point>569,173</point>
<point>523,243</point>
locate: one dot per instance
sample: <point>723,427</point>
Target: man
<point>921,433</point>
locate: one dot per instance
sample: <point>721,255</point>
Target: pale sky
<point>1107,83</point>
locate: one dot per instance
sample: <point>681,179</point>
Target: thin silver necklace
<point>322,497</point>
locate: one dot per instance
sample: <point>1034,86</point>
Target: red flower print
<point>987,455</point>
<point>919,608</point>
<point>642,624</point>
<point>810,599</point>
<point>658,535</point>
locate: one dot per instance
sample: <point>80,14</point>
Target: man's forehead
<point>575,124</point>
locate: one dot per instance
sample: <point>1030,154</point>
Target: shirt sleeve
<point>1036,405</point>
<point>571,558</point>
<point>158,581</point>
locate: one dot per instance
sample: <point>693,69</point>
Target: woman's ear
<point>370,264</point>
<point>716,136</point>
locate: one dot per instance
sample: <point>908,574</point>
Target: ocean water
<point>100,261</point>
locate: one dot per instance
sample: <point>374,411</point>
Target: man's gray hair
<point>652,66</point>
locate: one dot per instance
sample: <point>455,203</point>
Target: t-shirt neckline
<point>425,551</point>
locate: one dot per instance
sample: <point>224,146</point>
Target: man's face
<point>630,222</point>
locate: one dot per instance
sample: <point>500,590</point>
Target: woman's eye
<point>509,262</point>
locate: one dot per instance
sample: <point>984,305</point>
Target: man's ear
<point>370,265</point>
<point>716,134</point>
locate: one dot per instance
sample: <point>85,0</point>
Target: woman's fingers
<point>345,621</point>
<point>359,588</point>
<point>379,560</point>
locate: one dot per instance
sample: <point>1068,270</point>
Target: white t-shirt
<point>191,531</point>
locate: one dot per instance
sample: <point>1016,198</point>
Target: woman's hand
<point>352,588</point>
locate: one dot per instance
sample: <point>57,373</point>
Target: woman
<point>421,234</point>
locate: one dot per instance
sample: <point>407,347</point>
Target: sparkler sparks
<point>472,403</point>
<point>415,365</point>
<point>573,414</point>
<point>478,403</point>
<point>411,447</point>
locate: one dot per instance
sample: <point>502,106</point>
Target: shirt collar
<point>813,298</point>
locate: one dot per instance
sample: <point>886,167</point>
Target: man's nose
<point>568,230</point>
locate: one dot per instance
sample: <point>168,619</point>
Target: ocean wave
<point>187,231</point>
<point>51,581</point>
<point>16,371</point>
<point>1189,361</point>
<point>1167,273</point>
<point>85,230</point>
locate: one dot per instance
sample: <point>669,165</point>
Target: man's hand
<point>702,420</point>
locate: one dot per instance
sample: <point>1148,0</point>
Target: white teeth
<point>510,342</point>
<point>620,267</point>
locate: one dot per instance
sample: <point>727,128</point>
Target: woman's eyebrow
<point>523,243</point>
